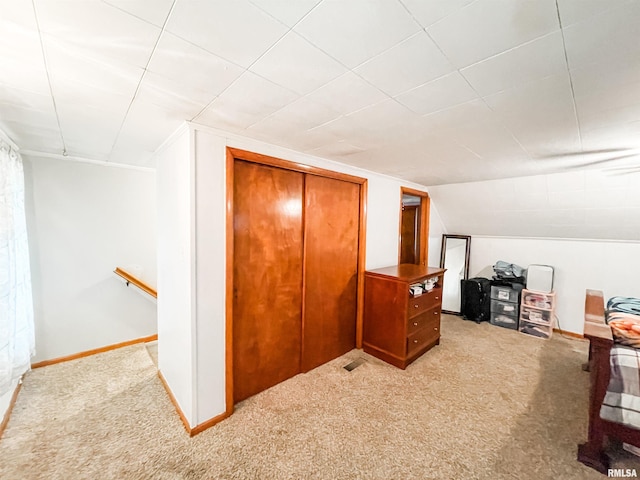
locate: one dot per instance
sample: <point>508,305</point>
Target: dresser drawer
<point>431,316</point>
<point>424,302</point>
<point>423,337</point>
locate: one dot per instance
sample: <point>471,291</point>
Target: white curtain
<point>17,342</point>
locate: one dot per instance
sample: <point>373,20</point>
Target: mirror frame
<point>467,252</point>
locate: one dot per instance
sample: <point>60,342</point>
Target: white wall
<point>610,266</point>
<point>592,203</point>
<point>206,394</point>
<point>84,220</point>
<point>176,270</point>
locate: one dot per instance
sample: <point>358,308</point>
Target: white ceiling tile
<point>347,94</point>
<point>34,137</point>
<point>237,31</point>
<point>24,77</point>
<point>532,61</point>
<point>286,11</point>
<point>23,121</point>
<point>438,94</point>
<point>146,127</point>
<point>152,11</point>
<point>297,65</point>
<point>429,12</point>
<point>97,30</point>
<point>488,27</point>
<point>490,141</point>
<point>184,70</point>
<point>540,114</point>
<point>25,99</point>
<point>128,155</point>
<point>171,96</point>
<point>354,31</point>
<point>407,65</point>
<point>471,112</point>
<point>601,77</point>
<point>76,78</point>
<point>337,151</point>
<point>22,60</point>
<point>315,138</point>
<point>618,105</point>
<point>612,36</point>
<point>39,118</point>
<point>385,123</point>
<point>247,101</point>
<point>573,11</point>
<point>303,114</point>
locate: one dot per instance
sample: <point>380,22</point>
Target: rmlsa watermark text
<point>622,473</point>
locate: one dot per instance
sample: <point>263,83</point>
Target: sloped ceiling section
<point>433,91</point>
<point>586,204</point>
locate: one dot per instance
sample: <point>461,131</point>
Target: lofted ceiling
<point>433,91</point>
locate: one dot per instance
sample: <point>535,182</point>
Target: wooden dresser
<point>399,327</point>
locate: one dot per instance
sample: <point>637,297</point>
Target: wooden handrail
<point>138,283</point>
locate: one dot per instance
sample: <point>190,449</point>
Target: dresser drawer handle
<point>415,324</point>
<point>437,298</point>
<point>416,305</point>
<point>435,313</point>
<point>415,341</point>
<point>435,328</point>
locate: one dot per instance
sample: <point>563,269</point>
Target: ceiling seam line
<point>490,57</point>
<point>349,70</point>
<point>573,93</point>
<point>46,69</point>
<point>144,73</point>
<point>129,13</point>
<point>246,69</point>
<point>480,97</point>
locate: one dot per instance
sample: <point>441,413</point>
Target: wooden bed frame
<point>598,333</point>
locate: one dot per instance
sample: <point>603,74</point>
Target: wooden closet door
<point>267,266</point>
<point>332,209</point>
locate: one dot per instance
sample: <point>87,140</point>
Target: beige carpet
<point>488,403</point>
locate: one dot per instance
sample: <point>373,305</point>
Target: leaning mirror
<point>455,258</point>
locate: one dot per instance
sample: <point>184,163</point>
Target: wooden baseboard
<point>209,423</point>
<point>568,334</point>
<point>198,428</point>
<point>173,400</point>
<point>12,402</point>
<point>75,356</point>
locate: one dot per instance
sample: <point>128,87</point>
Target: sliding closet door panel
<point>330,274</point>
<point>267,305</point>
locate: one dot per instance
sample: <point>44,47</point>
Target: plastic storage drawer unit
<point>538,300</point>
<point>504,320</point>
<point>535,329</point>
<point>506,308</point>
<point>537,313</point>
<point>543,317</point>
<point>504,294</point>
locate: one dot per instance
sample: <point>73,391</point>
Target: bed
<point>599,366</point>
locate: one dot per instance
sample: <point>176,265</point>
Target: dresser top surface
<point>406,272</point>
